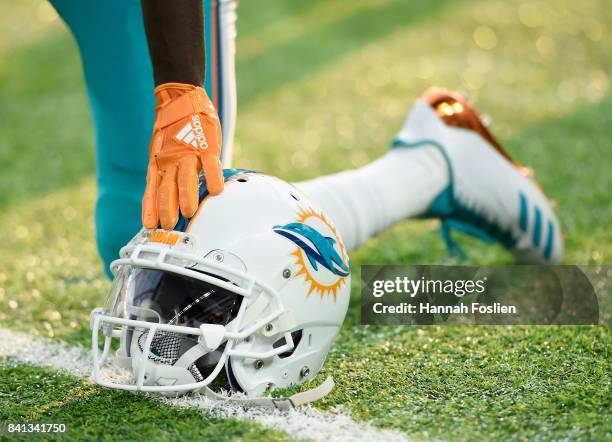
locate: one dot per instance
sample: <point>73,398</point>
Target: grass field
<point>324,85</point>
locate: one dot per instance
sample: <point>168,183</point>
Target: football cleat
<point>489,195</point>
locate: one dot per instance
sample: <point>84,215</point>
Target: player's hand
<point>186,139</point>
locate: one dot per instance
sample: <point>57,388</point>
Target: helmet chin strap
<point>282,403</point>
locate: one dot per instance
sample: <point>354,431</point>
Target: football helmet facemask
<point>254,286</point>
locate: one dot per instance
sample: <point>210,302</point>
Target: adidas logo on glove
<point>193,133</point>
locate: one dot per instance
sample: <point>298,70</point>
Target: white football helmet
<point>255,285</point>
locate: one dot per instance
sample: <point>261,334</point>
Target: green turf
<point>489,383</point>
<point>323,85</point>
<point>91,413</point>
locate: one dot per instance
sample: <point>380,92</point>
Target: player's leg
<point>444,164</point>
<point>119,79</point>
<point>362,202</point>
<point>118,74</point>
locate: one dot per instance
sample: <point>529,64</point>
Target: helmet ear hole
<point>296,336</point>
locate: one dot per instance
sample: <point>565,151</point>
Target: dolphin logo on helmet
<point>318,248</point>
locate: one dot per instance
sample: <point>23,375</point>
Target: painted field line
<point>302,423</point>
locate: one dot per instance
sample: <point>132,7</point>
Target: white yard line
<point>302,423</point>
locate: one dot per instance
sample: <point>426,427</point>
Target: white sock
<point>362,202</point>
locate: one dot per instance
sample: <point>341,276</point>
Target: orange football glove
<point>186,139</point>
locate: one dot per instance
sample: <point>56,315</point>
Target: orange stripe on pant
<point>213,65</point>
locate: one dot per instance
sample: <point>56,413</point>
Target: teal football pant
<point>117,68</point>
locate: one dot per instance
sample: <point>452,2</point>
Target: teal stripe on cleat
<point>524,216</point>
<point>550,239</point>
<point>454,214</point>
<point>537,228</point>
